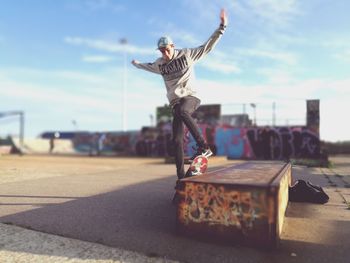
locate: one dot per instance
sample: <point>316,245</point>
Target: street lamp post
<point>253,105</point>
<point>124,42</point>
<point>75,124</point>
<point>273,114</point>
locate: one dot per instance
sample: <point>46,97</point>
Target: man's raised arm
<point>201,51</point>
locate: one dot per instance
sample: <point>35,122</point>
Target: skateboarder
<point>176,68</point>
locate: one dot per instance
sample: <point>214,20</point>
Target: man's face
<point>167,52</point>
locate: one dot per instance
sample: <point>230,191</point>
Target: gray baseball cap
<point>164,41</point>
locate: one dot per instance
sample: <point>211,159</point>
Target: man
<point>176,68</point>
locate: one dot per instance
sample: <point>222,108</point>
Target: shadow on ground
<point>141,218</point>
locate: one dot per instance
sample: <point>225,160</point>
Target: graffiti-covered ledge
<point>244,203</point>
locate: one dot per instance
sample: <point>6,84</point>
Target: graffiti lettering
<point>265,143</point>
<point>214,205</point>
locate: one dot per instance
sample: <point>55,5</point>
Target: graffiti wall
<point>154,142</point>
<point>215,205</point>
<point>102,143</point>
<point>263,143</point>
<point>266,143</point>
<point>283,143</point>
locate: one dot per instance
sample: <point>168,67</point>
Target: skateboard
<point>199,165</point>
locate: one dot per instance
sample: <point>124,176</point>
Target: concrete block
<point>244,203</point>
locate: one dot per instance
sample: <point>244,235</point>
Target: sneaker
<point>201,151</point>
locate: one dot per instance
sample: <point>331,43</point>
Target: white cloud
<point>97,59</point>
<point>82,94</point>
<point>220,92</point>
<point>291,88</point>
<point>338,88</point>
<point>109,46</point>
<point>74,87</point>
<point>274,7</point>
<point>333,124</point>
<point>274,12</point>
<point>38,94</point>
<point>343,55</point>
<point>279,56</point>
<point>179,35</point>
<point>276,76</point>
<point>219,62</point>
<point>216,64</point>
<point>337,42</point>
<point>202,10</point>
<point>287,39</point>
<point>290,101</point>
<point>338,47</point>
<point>96,6</point>
<point>55,76</point>
<point>67,95</point>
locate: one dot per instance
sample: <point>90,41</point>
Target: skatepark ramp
<point>244,203</point>
<point>43,146</point>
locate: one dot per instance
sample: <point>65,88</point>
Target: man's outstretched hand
<point>135,62</point>
<point>223,17</point>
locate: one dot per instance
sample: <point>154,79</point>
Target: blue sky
<point>62,62</point>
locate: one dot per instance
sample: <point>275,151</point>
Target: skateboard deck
<point>198,166</point>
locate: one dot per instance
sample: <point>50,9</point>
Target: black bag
<point>303,191</point>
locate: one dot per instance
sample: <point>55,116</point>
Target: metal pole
<point>255,116</point>
<point>124,94</point>
<point>124,114</point>
<point>273,114</point>
<point>21,129</point>
<point>253,105</point>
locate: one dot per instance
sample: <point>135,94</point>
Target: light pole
<point>253,105</point>
<point>75,124</point>
<point>273,114</point>
<point>124,42</point>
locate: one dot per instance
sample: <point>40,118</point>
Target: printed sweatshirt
<point>178,73</point>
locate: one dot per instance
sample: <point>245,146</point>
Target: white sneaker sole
<point>207,153</point>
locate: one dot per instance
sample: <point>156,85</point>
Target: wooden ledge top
<point>250,173</point>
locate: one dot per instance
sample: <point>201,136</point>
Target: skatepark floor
<point>89,209</point>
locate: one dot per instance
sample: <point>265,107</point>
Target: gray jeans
<point>182,112</point>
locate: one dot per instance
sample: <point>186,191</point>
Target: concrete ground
<point>82,209</point>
